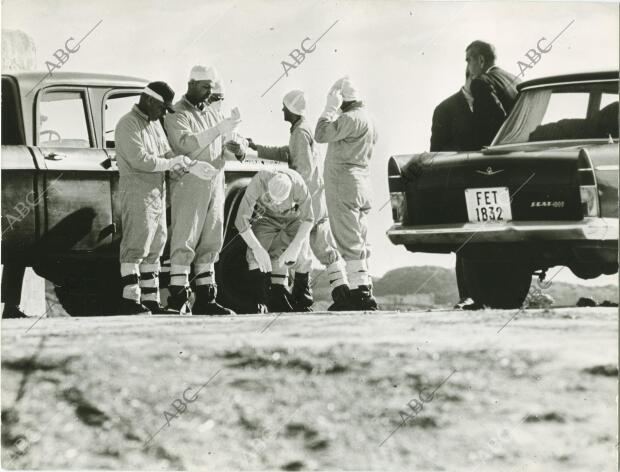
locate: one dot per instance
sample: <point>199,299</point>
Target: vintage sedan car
<point>60,193</point>
<point>543,194</point>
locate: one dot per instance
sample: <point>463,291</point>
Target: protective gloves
<point>227,126</point>
<point>290,255</point>
<point>334,100</point>
<point>260,253</point>
<point>203,170</point>
<point>238,147</point>
<point>176,164</point>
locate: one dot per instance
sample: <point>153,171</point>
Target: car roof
<point>576,77</point>
<point>30,80</point>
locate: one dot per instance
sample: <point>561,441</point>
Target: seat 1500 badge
<point>558,204</point>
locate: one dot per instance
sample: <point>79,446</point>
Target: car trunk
<point>484,187</point>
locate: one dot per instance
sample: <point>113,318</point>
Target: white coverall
<point>351,139</point>
<point>275,227</point>
<point>197,204</point>
<point>300,154</point>
<point>141,146</point>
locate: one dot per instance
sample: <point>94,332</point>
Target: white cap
<point>279,187</point>
<point>349,90</point>
<point>203,73</point>
<point>295,101</point>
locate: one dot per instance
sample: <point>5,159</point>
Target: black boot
<point>302,292</point>
<point>131,307</point>
<point>205,303</point>
<point>179,298</point>
<point>341,296</point>
<point>362,299</point>
<point>13,311</point>
<point>128,306</point>
<point>259,282</point>
<point>280,299</point>
<point>157,308</point>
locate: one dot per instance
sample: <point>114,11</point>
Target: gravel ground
<point>438,390</point>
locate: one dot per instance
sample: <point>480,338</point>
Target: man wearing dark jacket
<point>493,90</point>
<point>452,128</point>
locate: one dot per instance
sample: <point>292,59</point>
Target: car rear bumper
<point>455,235</point>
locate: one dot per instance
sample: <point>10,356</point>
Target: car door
<point>78,202</point>
<point>116,103</point>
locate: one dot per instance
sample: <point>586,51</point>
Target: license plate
<point>488,205</point>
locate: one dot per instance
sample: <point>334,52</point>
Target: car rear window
<point>563,112</point>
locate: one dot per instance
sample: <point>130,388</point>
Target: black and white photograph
<point>322,235</point>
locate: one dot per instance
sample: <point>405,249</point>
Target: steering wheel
<point>51,133</point>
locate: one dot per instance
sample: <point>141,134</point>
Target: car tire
<point>496,284</point>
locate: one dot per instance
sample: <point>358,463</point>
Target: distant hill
<point>433,286</point>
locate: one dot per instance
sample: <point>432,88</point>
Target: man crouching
<point>274,219</point>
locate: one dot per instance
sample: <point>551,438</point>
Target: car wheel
<point>497,284</point>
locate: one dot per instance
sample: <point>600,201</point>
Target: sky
<point>405,57</point>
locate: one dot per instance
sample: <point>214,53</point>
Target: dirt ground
<point>419,391</point>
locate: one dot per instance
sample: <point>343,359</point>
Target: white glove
<point>227,126</point>
<point>203,170</point>
<point>260,253</point>
<point>290,255</point>
<point>337,87</point>
<point>235,114</point>
<point>178,164</point>
<point>334,100</point>
<point>237,148</point>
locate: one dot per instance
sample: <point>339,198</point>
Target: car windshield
<point>563,112</point>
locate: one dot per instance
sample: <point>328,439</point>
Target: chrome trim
<point>590,229</point>
<point>607,167</point>
<point>554,84</point>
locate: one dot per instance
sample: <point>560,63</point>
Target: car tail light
<point>587,185</point>
<point>399,208</point>
<point>397,191</point>
<point>589,200</point>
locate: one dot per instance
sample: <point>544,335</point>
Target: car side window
<point>63,120</point>
<point>566,105</point>
<point>114,108</point>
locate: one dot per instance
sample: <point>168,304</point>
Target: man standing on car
<point>452,130</point>
<point>274,219</point>
<point>493,89</point>
<point>143,156</point>
<point>301,156</point>
<point>197,197</point>
<point>350,131</point>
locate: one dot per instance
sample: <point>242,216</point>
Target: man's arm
<point>183,140</point>
<point>302,196</point>
<point>243,221</point>
<point>129,143</point>
<point>440,131</point>
<point>329,131</point>
<point>275,153</point>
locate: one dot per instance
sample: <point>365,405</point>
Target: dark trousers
<point>12,281</point>
<point>460,278</point>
